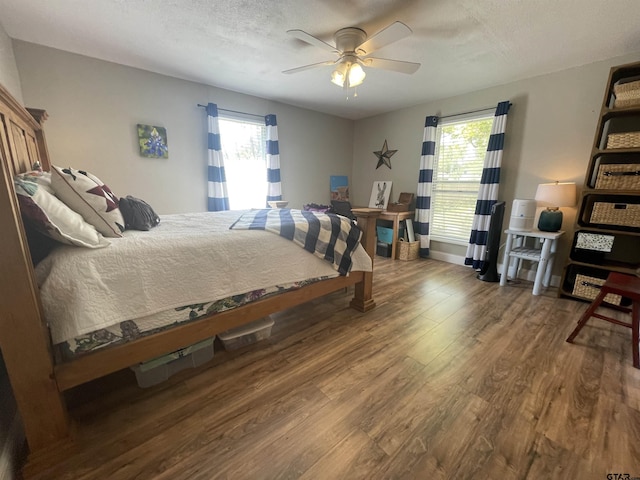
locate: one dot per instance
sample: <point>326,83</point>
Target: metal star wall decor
<point>384,156</point>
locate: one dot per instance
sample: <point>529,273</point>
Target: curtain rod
<point>235,111</point>
<point>471,111</point>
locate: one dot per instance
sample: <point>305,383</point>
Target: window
<point>461,147</point>
<point>245,162</point>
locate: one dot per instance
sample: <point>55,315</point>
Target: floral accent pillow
<point>50,216</point>
<point>90,197</point>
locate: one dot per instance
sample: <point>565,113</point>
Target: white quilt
<point>187,259</point>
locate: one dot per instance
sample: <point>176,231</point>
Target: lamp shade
<point>339,74</point>
<point>356,75</point>
<point>556,194</point>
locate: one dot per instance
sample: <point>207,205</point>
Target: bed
<point>38,373</point>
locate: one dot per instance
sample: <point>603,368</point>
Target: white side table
<point>517,248</point>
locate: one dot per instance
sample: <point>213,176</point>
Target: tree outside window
<point>245,162</point>
<point>461,147</point>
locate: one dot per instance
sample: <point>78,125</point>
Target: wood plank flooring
<point>449,377</point>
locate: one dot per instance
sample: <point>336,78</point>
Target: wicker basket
<point>626,88</point>
<point>624,214</point>
<point>627,94</point>
<point>623,140</point>
<point>627,101</point>
<point>618,176</point>
<point>589,288</point>
<point>408,250</point>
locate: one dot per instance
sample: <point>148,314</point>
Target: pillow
<point>51,217</point>
<point>43,179</point>
<point>138,214</point>
<point>91,198</point>
<point>40,245</point>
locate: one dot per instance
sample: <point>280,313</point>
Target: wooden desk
<point>396,217</point>
<point>543,255</point>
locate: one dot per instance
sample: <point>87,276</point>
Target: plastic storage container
<point>246,334</point>
<point>159,369</point>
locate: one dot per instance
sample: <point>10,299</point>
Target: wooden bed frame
<point>37,381</point>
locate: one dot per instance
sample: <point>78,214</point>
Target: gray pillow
<point>137,214</point>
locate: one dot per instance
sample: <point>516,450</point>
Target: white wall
<point>9,77</point>
<point>10,432</point>
<point>550,130</point>
<point>94,107</point>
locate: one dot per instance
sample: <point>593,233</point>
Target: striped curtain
<point>274,187</point>
<point>488,194</point>
<point>218,198</point>
<point>423,200</point>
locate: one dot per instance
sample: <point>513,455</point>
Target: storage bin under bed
<point>159,369</point>
<point>246,334</point>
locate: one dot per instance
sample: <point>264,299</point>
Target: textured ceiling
<point>242,45</point>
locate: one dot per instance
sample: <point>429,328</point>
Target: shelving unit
<point>607,229</point>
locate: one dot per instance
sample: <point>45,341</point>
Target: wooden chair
<point>627,286</point>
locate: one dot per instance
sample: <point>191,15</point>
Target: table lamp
<point>553,196</point>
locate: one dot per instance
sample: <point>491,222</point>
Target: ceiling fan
<point>354,48</point>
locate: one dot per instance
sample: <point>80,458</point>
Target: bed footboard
<point>363,298</point>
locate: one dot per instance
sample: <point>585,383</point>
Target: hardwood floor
<point>449,377</point>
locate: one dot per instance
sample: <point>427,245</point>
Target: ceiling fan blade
<point>390,34</point>
<point>310,39</point>
<point>393,65</point>
<point>309,67</point>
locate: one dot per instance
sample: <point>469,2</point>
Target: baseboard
<point>530,275</point>
<point>11,449</point>
<point>446,257</point>
<point>524,274</point>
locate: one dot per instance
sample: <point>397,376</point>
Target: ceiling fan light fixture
<point>339,75</point>
<point>354,49</point>
<point>348,74</point>
<point>356,75</point>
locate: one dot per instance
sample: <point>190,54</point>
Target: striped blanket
<point>328,236</point>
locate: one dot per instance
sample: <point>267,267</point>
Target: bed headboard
<point>24,337</point>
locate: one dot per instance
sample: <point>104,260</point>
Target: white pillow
<point>50,216</point>
<point>90,197</point>
<point>43,179</point>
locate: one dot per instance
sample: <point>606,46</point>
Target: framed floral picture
<point>153,141</point>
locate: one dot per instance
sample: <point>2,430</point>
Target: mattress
<point>188,259</point>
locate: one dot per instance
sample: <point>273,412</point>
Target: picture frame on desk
<point>380,194</point>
